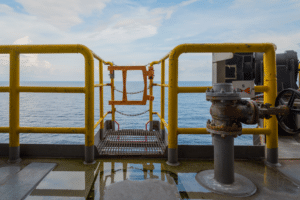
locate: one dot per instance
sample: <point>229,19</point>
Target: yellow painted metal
<point>4,89</point>
<point>151,94</point>
<point>163,85</point>
<point>193,89</point>
<point>270,77</point>
<point>250,131</point>
<point>52,89</point>
<point>14,99</point>
<point>101,85</point>
<point>89,97</point>
<point>162,119</point>
<point>204,88</point>
<point>14,89</point>
<point>101,120</point>
<point>162,93</point>
<point>101,94</point>
<point>261,88</point>
<point>270,81</point>
<point>66,130</point>
<point>159,61</point>
<point>4,129</point>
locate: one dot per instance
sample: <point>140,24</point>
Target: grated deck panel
<point>132,142</point>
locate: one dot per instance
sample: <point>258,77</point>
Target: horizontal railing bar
<point>261,88</point>
<point>52,89</point>
<point>62,130</point>
<point>159,61</point>
<point>4,129</point>
<point>193,89</point>
<point>157,84</point>
<point>4,89</point>
<point>163,120</point>
<point>97,57</point>
<point>204,88</point>
<point>100,85</point>
<point>248,131</point>
<point>101,119</point>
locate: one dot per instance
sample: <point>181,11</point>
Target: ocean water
<point>67,110</point>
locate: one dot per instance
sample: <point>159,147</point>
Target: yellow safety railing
<point>162,94</point>
<point>269,88</point>
<point>14,90</point>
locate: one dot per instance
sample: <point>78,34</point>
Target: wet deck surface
<point>71,179</point>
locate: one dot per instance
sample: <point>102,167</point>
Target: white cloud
<point>5,9</point>
<point>63,13</point>
<point>24,40</point>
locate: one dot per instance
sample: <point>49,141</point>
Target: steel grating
<point>132,142</point>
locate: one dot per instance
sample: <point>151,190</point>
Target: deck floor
<point>71,179</point>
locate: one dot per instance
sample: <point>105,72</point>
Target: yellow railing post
<point>101,97</point>
<point>173,109</point>
<point>162,95</point>
<point>14,107</point>
<point>270,81</point>
<point>151,102</point>
<point>89,106</point>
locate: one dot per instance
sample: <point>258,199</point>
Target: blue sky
<point>138,32</point>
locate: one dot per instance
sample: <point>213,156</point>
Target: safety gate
<point>131,141</point>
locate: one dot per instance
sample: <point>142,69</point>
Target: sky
<point>129,32</point>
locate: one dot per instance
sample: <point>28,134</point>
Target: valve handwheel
<point>287,97</point>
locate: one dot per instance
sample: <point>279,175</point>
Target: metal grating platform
<point>132,142</point>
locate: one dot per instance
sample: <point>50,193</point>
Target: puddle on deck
<point>71,179</point>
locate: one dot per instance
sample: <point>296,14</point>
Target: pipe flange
<point>222,91</point>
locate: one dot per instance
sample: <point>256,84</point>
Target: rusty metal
<point>149,73</point>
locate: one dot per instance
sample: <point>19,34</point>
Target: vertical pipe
<point>14,107</point>
<point>270,81</point>
<point>172,110</point>
<point>224,159</point>
<point>162,94</point>
<point>89,108</point>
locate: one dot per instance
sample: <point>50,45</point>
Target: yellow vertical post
<point>270,81</point>
<point>151,103</point>
<point>162,94</point>
<point>14,107</point>
<point>101,89</point>
<point>89,108</point>
<point>173,109</point>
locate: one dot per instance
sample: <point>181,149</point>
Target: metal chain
<point>131,114</point>
<point>131,92</point>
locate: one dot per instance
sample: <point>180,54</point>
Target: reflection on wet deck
<point>71,179</point>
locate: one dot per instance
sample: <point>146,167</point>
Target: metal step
<point>132,142</point>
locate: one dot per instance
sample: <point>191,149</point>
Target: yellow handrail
<point>162,119</point>
<point>51,89</point>
<point>250,131</point>
<point>269,89</point>
<point>163,85</point>
<point>101,119</point>
<point>14,90</point>
<point>101,85</point>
